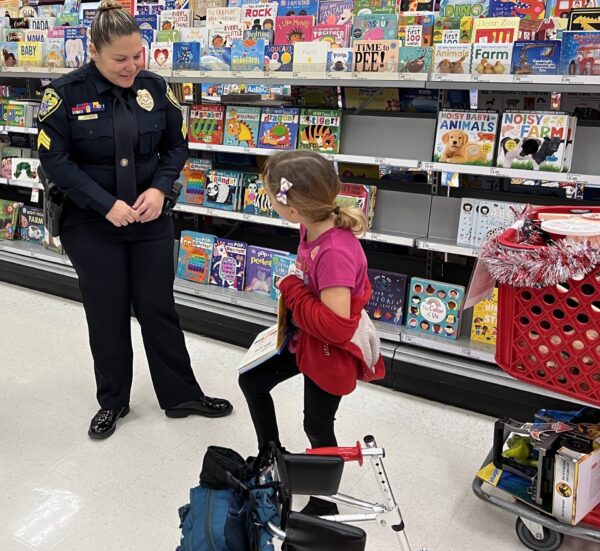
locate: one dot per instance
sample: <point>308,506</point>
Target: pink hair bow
<point>284,187</point>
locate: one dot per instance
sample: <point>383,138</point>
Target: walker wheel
<point>552,540</point>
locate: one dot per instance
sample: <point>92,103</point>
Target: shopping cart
<point>550,337</point>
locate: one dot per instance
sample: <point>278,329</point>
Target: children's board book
<point>195,256</point>
<point>222,189</point>
<point>216,59</point>
<point>256,200</point>
<point>161,56</point>
<point>248,55</point>
<point>495,30</point>
<point>466,137</point>
<point>279,58</point>
<point>466,220</point>
<point>451,58</point>
<point>193,180</point>
<point>461,8</point>
<point>375,27</point>
<point>9,218</point>
<point>278,128</point>
<point>75,46</point>
<point>256,34</point>
<point>337,35</point>
<point>339,60</point>
<point>310,57</point>
<point>186,56</point>
<point>222,15</point>
<point>25,170</point>
<point>31,225</point>
<point>376,56</point>
<point>415,5</point>
<point>414,60</point>
<point>10,53</point>
<point>269,342</point>
<point>356,195</point>
<point>387,301</point>
<point>533,140</point>
<point>30,54</point>
<point>525,9</point>
<point>222,36</point>
<point>206,124</point>
<point>491,59</point>
<point>362,7</point>
<point>320,130</point>
<point>258,269</point>
<point>228,264</point>
<point>52,243</point>
<point>586,19</point>
<point>416,30</point>
<point>485,320</point>
<point>580,53</point>
<point>282,265</point>
<point>168,36</point>
<point>241,126</point>
<point>452,30</point>
<point>536,57</point>
<point>335,12</point>
<point>434,308</point>
<point>297,28</point>
<point>288,8</point>
<point>259,16</point>
<point>54,52</point>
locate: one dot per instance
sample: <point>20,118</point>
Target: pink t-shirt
<point>335,259</point>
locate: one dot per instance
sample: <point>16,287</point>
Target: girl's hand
<point>149,204</point>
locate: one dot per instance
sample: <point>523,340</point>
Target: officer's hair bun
<point>107,5</point>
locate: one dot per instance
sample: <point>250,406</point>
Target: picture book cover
<point>195,256</point>
<point>241,126</point>
<point>35,36</point>
<point>580,53</point>
<point>222,188</point>
<point>451,58</point>
<point>279,127</point>
<point>434,308</point>
<point>161,56</point>
<point>375,27</point>
<point>76,46</point>
<point>416,30</point>
<point>491,59</point>
<point>228,264</point>
<point>259,16</point>
<point>289,8</point>
<point>466,220</point>
<point>340,60</point>
<point>536,57</point>
<point>193,180</point>
<point>256,200</point>
<point>296,28</point>
<point>26,170</point>
<point>485,320</point>
<point>216,59</point>
<point>363,7</point>
<point>310,57</point>
<point>212,91</point>
<point>320,130</point>
<point>223,36</point>
<point>195,34</point>
<point>415,5</point>
<point>29,54</point>
<point>147,21</point>
<point>281,266</point>
<point>279,58</point>
<point>186,56</point>
<point>376,56</point>
<point>452,30</point>
<point>259,262</point>
<point>221,15</point>
<point>387,301</point>
<point>532,140</point>
<point>414,60</point>
<point>337,35</point>
<point>10,53</point>
<point>174,19</point>
<point>495,30</point>
<point>355,195</point>
<point>587,19</point>
<point>248,55</point>
<point>335,12</point>
<point>40,23</point>
<point>466,137</point>
<point>9,218</point>
<point>206,124</point>
<point>259,34</point>
<point>461,8</point>
<point>524,9</point>
<point>31,225</point>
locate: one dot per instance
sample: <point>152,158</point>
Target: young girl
<point>336,343</point>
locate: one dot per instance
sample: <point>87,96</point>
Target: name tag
<point>87,117</point>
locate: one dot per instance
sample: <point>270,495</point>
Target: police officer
<point>112,138</point>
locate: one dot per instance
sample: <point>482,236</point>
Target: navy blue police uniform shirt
<point>76,141</point>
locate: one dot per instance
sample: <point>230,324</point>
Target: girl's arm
<point>337,299</point>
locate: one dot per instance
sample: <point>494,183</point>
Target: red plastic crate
<point>550,337</point>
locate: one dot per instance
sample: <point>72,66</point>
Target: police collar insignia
<point>88,107</point>
<point>145,100</point>
<point>50,103</point>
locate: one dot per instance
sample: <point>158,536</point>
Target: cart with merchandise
<point>549,336</point>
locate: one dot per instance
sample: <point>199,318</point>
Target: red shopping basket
<point>550,337</point>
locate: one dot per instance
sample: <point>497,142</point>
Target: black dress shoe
<point>104,422</point>
<point>207,407</point>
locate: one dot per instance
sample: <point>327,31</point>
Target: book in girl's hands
<point>387,300</point>
<point>339,60</point>
<point>414,60</point>
<point>269,342</point>
<point>466,137</point>
<point>282,265</point>
<point>222,189</point>
<point>289,30</point>
<point>206,124</point>
<point>376,56</point>
<point>536,57</point>
<point>195,256</point>
<point>335,12</point>
<point>248,55</point>
<point>375,27</point>
<point>241,126</point>
<point>320,130</point>
<point>278,128</point>
<point>228,264</point>
<point>279,58</point>
<point>491,59</point>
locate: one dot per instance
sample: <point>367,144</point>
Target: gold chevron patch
<point>44,140</point>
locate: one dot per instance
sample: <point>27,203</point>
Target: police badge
<point>50,103</point>
<point>145,100</point>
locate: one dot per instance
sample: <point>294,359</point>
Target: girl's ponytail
<point>350,218</point>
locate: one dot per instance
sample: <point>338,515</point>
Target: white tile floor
<point>64,492</point>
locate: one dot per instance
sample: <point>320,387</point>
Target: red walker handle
<point>346,453</point>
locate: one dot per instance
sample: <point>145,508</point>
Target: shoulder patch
<point>171,97</point>
<point>50,103</point>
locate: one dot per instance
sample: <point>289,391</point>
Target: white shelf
<point>33,72</point>
<point>31,250</point>
<point>446,246</point>
<point>5,129</point>
<point>463,346</point>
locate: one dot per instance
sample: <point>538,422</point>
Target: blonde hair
<point>315,186</point>
<point>111,21</point>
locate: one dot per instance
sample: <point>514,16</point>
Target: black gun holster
<point>54,202</point>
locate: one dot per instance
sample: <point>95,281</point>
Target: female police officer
<point>112,138</point>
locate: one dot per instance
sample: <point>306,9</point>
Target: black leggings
<point>319,406</point>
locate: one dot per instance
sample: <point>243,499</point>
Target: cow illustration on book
<point>538,150</point>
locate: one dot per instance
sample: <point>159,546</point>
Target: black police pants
<point>320,406</point>
<point>119,268</point>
